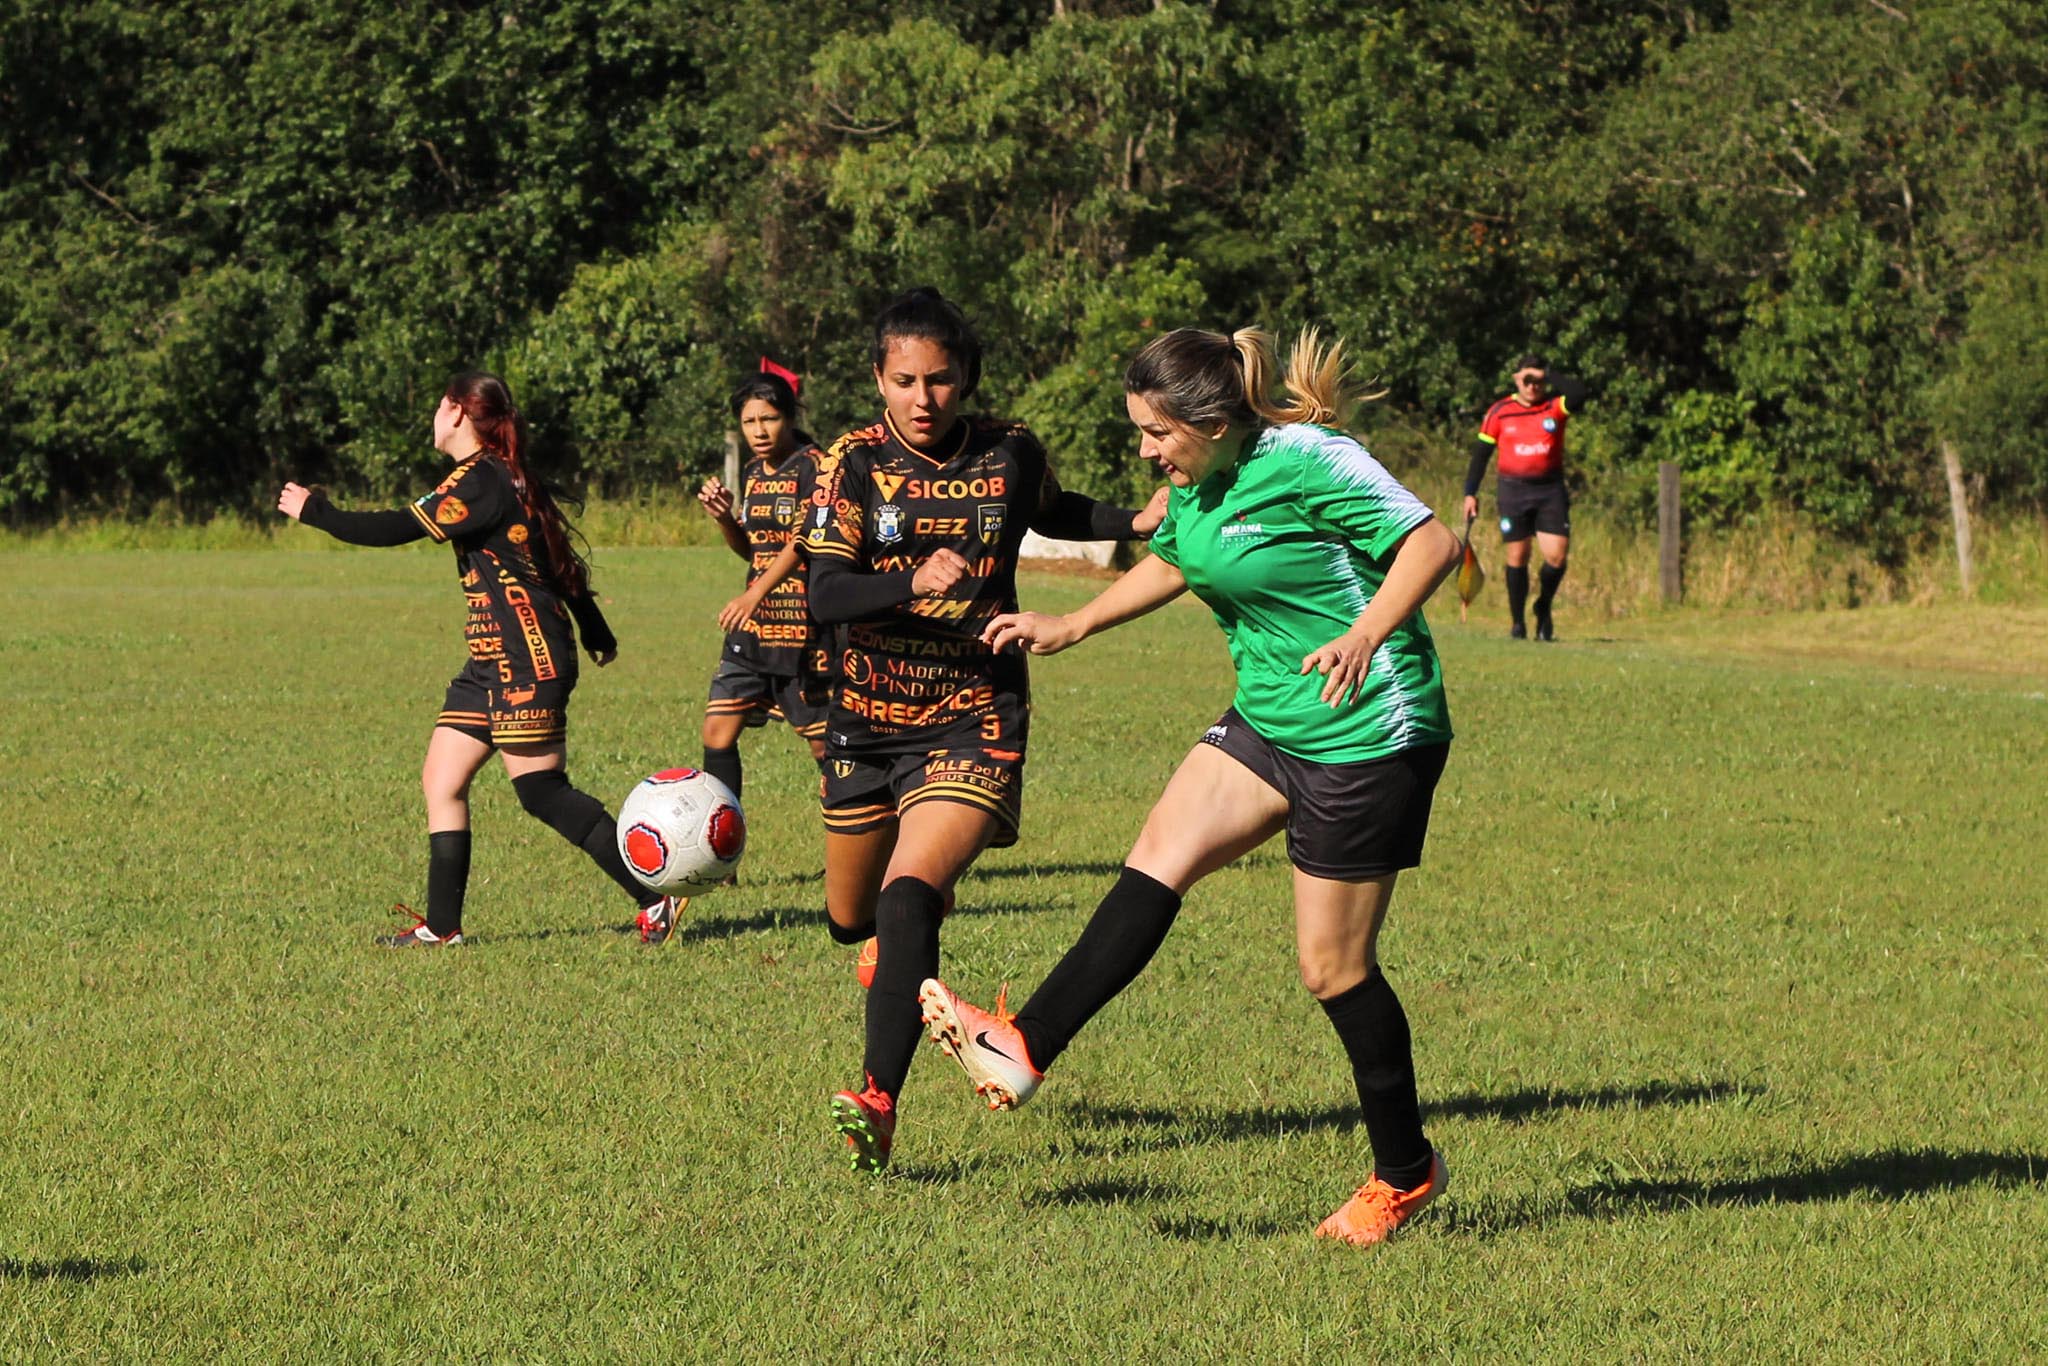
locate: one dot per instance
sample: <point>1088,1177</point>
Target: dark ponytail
<point>500,428</point>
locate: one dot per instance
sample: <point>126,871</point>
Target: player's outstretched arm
<point>1423,559</point>
<point>1077,517</point>
<point>396,526</point>
<point>1148,584</point>
<point>781,567</point>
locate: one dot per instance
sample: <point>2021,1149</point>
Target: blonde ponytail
<point>1201,378</point>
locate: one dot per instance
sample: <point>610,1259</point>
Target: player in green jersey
<point>1315,562</point>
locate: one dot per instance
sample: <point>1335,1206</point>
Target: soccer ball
<point>681,832</point>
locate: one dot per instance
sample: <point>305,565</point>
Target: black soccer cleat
<point>1543,631</point>
<point>1518,632</point>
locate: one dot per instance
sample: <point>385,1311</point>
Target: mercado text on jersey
<point>517,626</point>
<point>1528,436</point>
<point>1287,546</point>
<point>921,677</point>
<point>770,508</point>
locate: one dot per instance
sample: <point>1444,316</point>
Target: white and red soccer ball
<point>681,832</point>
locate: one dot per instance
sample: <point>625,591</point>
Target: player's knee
<point>908,907</point>
<point>548,798</point>
<point>1329,972</point>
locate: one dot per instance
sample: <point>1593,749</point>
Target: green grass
<point>1725,970</point>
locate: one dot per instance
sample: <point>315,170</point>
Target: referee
<point>1524,431</point>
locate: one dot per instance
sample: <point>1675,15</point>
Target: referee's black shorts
<point>1528,506</point>
<point>1346,822</point>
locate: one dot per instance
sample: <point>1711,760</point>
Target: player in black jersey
<point>914,551</point>
<point>770,644</point>
<point>524,584</point>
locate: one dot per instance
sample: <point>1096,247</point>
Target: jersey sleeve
<point>1489,426</point>
<point>1345,491</point>
<point>837,523</point>
<point>473,501</point>
<point>1166,536</point>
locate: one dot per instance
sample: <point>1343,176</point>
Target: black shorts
<point>1528,506</point>
<point>742,688</point>
<point>865,792</point>
<point>485,708</point>
<point>1345,822</point>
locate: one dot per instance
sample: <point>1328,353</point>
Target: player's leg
<point>739,697</point>
<point>722,748</point>
<point>539,773</point>
<point>453,758</point>
<point>1215,809</point>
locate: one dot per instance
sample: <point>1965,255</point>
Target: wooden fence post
<point>1670,566</point>
<point>1959,506</point>
<point>732,462</point>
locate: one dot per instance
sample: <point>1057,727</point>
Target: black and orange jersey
<point>916,676</point>
<point>771,509</point>
<point>517,623</point>
<point>1527,439</point>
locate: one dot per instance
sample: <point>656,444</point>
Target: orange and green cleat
<point>868,1119</point>
<point>1377,1209</point>
<point>986,1044</point>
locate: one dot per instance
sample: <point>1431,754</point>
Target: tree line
<point>1791,245</point>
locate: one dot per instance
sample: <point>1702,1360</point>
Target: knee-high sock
<point>1547,580</point>
<point>447,880</point>
<point>724,765</point>
<point>1517,578</point>
<point>907,916</point>
<point>1374,1030</point>
<point>582,820</point>
<point>1121,937</point>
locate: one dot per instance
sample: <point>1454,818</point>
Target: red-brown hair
<point>487,403</point>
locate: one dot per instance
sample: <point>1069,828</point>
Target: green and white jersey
<point>1287,546</point>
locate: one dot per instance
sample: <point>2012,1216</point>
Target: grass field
<point>1726,971</point>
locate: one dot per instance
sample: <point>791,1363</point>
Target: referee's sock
<point>1516,576</point>
<point>1374,1030</point>
<point>582,820</point>
<point>1125,931</point>
<point>907,917</point>
<point>447,881</point>
<point>724,765</point>
<point>1547,580</point>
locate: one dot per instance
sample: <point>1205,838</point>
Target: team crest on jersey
<point>516,533</point>
<point>785,510</point>
<point>451,511</point>
<point>991,515</point>
<point>1549,424</point>
<point>888,483</point>
<point>888,524</point>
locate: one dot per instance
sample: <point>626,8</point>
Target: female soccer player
<point>916,551</point>
<point>524,582</point>
<point>1315,562</point>
<point>770,641</point>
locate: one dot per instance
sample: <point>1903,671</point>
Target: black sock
<point>859,935</point>
<point>724,765</point>
<point>1374,1030</point>
<point>1517,578</point>
<point>447,880</point>
<point>1121,937</point>
<point>1547,580</point>
<point>582,820</point>
<point>907,952</point>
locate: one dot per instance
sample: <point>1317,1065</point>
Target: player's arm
<point>1423,558</point>
<point>1150,583</point>
<point>394,526</point>
<point>716,500</point>
<point>1571,392</point>
<point>842,592</point>
<point>1483,447</point>
<point>1074,516</point>
<point>595,631</point>
<point>781,567</point>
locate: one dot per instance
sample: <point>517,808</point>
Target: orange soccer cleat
<point>864,960</point>
<point>1377,1209</point>
<point>868,1119</point>
<point>986,1044</point>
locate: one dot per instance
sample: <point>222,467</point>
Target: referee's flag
<point>1471,578</point>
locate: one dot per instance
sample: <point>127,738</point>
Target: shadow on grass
<point>1189,1228</point>
<point>1194,1124</point>
<point>1106,1191</point>
<point>1891,1174</point>
<point>69,1268</point>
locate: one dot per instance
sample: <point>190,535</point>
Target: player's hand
<point>291,500</point>
<point>1471,507</point>
<point>604,657</point>
<point>1343,663</point>
<point>735,613</point>
<point>936,576</point>
<point>1038,633</point>
<point>1152,514</point>
<point>716,498</point>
